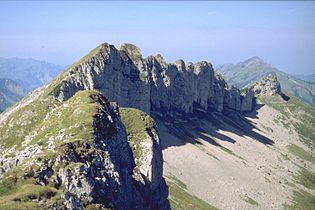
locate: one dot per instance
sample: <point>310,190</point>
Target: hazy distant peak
<point>254,61</point>
<point>28,72</point>
<point>224,67</point>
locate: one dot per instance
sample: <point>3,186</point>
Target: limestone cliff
<point>149,84</point>
<point>145,144</point>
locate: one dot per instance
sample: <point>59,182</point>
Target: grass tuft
<point>181,199</point>
<point>249,200</point>
<point>301,153</point>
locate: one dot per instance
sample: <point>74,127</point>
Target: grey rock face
<point>150,83</point>
<point>268,86</point>
<point>93,171</point>
<point>149,173</point>
<point>107,177</point>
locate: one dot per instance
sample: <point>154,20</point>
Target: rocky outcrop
<point>268,86</point>
<point>76,155</point>
<point>148,173</point>
<point>149,84</point>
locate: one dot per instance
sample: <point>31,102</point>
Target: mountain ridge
<point>10,92</point>
<point>150,82</point>
<point>243,76</point>
<point>66,131</point>
<point>28,72</point>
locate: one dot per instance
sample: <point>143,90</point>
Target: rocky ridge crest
<point>267,86</point>
<point>149,84</point>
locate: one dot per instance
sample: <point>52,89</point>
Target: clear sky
<point>281,33</point>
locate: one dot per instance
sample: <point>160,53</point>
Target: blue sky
<point>281,33</point>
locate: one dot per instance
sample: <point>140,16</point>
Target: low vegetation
<point>24,121</point>
<point>306,178</point>
<point>19,187</point>
<point>249,200</point>
<point>181,199</point>
<point>137,123</point>
<point>301,200</point>
<point>18,192</point>
<point>296,113</point>
<point>301,153</point>
<point>301,117</point>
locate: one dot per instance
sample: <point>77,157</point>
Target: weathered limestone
<point>268,86</point>
<point>150,83</point>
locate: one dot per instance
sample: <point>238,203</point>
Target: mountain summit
<point>246,73</point>
<point>253,61</point>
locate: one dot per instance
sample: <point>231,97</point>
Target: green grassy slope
<point>136,122</point>
<point>297,113</point>
<point>19,188</point>
<point>181,199</point>
<point>302,117</point>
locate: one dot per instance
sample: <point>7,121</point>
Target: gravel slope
<point>226,165</point>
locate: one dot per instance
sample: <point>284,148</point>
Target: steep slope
<point>10,92</point>
<point>28,73</point>
<point>263,160</point>
<point>73,154</point>
<point>246,73</point>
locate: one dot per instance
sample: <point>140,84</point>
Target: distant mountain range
<point>308,78</point>
<point>10,92</point>
<point>244,74</point>
<point>29,73</point>
<point>19,76</point>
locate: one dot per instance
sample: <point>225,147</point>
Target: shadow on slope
<point>207,125</point>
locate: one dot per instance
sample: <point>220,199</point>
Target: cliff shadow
<point>210,126</point>
<point>176,128</point>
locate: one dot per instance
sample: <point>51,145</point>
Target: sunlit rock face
<point>150,84</point>
<point>267,86</point>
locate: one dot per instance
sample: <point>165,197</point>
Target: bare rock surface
<point>267,86</point>
<point>127,78</point>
